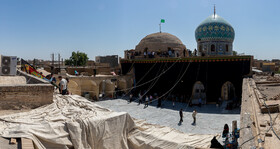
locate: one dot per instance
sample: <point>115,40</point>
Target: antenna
<point>214,11</point>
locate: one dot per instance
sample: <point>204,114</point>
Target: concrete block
<point>13,141</point>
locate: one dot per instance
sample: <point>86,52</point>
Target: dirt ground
<point>6,112</point>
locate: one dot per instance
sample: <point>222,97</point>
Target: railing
<point>194,58</point>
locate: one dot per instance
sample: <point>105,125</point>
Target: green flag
<point>162,21</point>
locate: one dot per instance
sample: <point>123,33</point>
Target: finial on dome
<point>214,11</point>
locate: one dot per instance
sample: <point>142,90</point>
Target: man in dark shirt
<point>181,115</point>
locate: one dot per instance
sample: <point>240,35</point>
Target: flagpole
<point>160,27</point>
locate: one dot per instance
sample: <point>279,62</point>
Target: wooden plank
<point>26,143</point>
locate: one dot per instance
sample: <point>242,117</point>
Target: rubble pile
<point>271,78</point>
<point>277,97</point>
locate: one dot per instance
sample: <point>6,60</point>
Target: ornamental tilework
<point>213,29</point>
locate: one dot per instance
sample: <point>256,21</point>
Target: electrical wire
<point>271,126</point>
<point>271,122</point>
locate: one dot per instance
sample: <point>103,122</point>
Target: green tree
<point>77,59</point>
<point>234,52</point>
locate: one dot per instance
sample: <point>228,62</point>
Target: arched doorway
<point>213,48</point>
<point>228,91</point>
<point>198,91</point>
<point>226,47</point>
<point>102,87</point>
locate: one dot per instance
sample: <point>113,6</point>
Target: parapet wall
<point>36,92</point>
<point>25,96</point>
<point>90,71</point>
<point>95,86</point>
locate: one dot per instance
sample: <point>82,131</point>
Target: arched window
<point>228,91</point>
<point>227,47</point>
<point>198,91</point>
<point>213,48</point>
<point>200,48</point>
<point>146,50</point>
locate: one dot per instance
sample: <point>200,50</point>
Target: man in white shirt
<point>62,86</point>
<point>147,101</point>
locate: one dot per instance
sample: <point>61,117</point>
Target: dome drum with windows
<point>158,45</point>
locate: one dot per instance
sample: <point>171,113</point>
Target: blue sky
<point>36,28</point>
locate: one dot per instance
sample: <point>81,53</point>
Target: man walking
<point>181,116</point>
<point>194,116</point>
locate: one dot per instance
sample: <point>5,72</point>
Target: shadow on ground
<point>167,104</point>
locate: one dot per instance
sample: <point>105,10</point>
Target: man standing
<point>220,101</point>
<point>181,116</point>
<point>147,101</point>
<point>52,79</point>
<point>151,99</point>
<point>62,86</point>
<point>76,73</point>
<point>140,98</point>
<point>130,98</point>
<point>159,102</point>
<point>199,102</point>
<point>67,82</point>
<point>194,116</point>
<point>94,72</point>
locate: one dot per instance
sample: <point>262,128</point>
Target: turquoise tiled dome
<point>214,29</point>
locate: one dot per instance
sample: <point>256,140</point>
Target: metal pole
<point>59,61</point>
<point>160,27</point>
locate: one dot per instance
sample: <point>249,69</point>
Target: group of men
<point>147,99</point>
<point>62,86</point>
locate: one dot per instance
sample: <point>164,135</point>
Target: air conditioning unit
<point>8,65</point>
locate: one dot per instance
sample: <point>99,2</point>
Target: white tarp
<point>151,136</point>
<point>73,121</point>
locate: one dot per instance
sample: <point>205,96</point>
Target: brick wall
<point>36,92</point>
<point>25,96</point>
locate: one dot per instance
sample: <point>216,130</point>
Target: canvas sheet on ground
<point>73,121</point>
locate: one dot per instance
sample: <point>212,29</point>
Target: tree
<point>77,59</point>
<point>234,52</point>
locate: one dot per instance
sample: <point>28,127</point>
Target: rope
<point>175,81</point>
<point>145,82</point>
<point>174,84</point>
<point>153,78</point>
<point>140,79</point>
<point>153,84</point>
